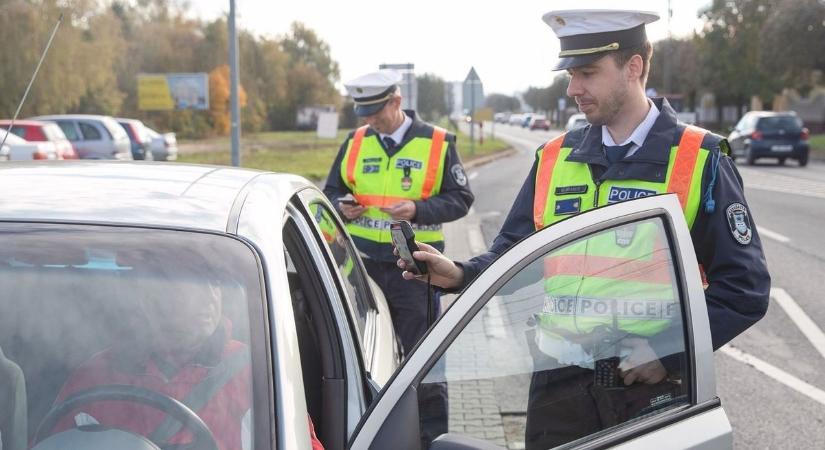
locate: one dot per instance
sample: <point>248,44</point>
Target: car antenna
<point>31,81</point>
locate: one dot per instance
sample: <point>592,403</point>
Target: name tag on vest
<point>372,168</point>
<point>568,206</point>
<point>618,194</point>
<point>564,190</point>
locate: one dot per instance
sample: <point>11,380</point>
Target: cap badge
<point>359,90</point>
<point>560,21</point>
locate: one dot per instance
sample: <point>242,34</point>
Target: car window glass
<point>779,123</point>
<point>90,313</point>
<point>583,339</point>
<point>69,130</point>
<point>89,131</point>
<point>346,260</point>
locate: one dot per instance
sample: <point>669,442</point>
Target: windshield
<point>84,309</point>
<point>779,123</point>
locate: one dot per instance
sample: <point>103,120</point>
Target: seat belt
<point>200,395</point>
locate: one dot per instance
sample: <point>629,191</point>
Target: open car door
<point>590,333</point>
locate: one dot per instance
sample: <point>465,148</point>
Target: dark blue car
<point>766,134</point>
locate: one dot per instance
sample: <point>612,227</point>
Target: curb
<point>486,159</point>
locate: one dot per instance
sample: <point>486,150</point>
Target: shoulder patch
<point>458,175</point>
<point>739,223</point>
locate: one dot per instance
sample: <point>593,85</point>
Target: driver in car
<point>183,349</point>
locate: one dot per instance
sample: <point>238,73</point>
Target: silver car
<point>218,308</point>
<point>93,136</point>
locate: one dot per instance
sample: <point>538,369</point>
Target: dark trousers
<point>408,307</point>
<point>564,405</point>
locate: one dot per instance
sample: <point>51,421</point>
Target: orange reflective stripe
<point>543,175</point>
<point>435,161</point>
<point>682,173</point>
<point>353,153</point>
<point>379,201</point>
<point>657,270</point>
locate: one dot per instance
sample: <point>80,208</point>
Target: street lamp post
<point>234,90</point>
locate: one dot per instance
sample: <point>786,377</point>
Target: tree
<point>791,41</point>
<point>502,103</point>
<point>219,93</point>
<point>683,79</point>
<point>432,97</point>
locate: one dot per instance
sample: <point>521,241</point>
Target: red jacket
<point>223,413</point>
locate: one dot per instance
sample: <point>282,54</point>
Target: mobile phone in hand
<point>403,237</point>
<point>349,200</point>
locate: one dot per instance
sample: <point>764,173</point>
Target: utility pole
<point>233,97</point>
<point>667,59</point>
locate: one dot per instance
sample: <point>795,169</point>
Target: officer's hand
<point>403,210</point>
<point>351,211</point>
<point>642,365</point>
<point>441,270</point>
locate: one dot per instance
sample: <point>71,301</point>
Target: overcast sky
<point>507,42</point>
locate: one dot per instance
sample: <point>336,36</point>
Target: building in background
<point>409,85</point>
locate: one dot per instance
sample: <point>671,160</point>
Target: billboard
<point>166,92</point>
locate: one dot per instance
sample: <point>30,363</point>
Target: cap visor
<point>368,110</point>
<point>578,61</point>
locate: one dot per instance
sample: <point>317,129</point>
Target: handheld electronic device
<point>403,237</point>
<point>349,200</point>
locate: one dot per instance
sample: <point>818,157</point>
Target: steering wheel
<point>203,437</point>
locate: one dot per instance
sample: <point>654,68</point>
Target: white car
<point>99,262</point>
<point>19,149</point>
<point>164,146</point>
<point>93,136</point>
<point>577,120</point>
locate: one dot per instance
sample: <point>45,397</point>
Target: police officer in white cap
<point>396,167</point>
<point>633,146</point>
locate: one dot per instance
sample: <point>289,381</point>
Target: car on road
<point>577,120</point>
<point>539,123</point>
<point>164,146</point>
<point>89,252</point>
<point>768,134</point>
<point>139,139</point>
<point>16,148</point>
<point>37,131</point>
<point>93,136</point>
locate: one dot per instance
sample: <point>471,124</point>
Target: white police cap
<point>371,91</point>
<point>586,35</point>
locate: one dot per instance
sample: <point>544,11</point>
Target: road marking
<point>802,320</point>
<point>772,235</point>
<point>776,373</point>
<point>778,182</point>
<point>473,175</point>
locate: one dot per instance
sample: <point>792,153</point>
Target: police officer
<point>396,167</point>
<point>633,146</point>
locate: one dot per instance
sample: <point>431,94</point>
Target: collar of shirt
<point>398,135</point>
<point>639,134</point>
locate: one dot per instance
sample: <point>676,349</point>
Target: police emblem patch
<point>739,223</point>
<point>458,175</point>
<point>406,183</point>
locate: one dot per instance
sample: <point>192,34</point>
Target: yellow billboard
<point>165,92</point>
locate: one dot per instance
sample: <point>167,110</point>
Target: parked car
<point>37,131</point>
<point>539,123</point>
<point>84,247</point>
<point>139,139</point>
<point>164,146</point>
<point>516,119</point>
<point>19,149</point>
<point>577,120</point>
<point>762,134</point>
<point>93,137</point>
<point>525,120</point>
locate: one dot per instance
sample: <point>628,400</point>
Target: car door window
<point>89,131</point>
<point>346,260</point>
<point>69,130</point>
<point>583,339</point>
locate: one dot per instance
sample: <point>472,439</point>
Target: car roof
<point>72,117</point>
<point>771,113</point>
<point>24,122</point>
<point>149,194</point>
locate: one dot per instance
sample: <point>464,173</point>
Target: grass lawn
<point>818,144</point>
<point>298,152</point>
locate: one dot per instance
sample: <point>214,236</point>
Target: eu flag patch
<point>568,206</point>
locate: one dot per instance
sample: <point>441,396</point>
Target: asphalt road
<point>771,379</point>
